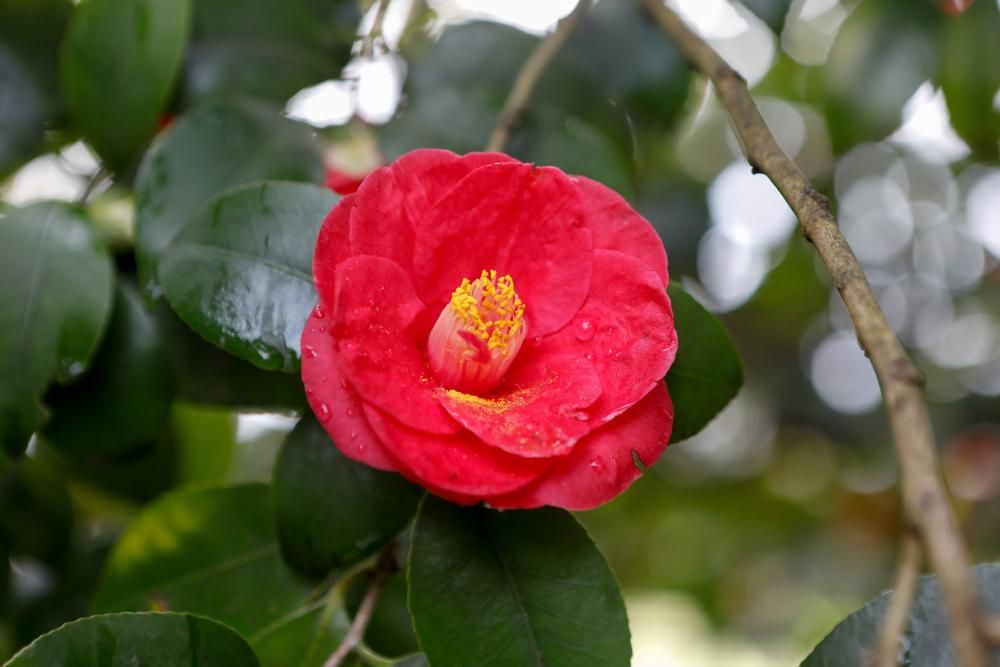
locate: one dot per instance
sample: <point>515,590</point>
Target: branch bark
<point>923,498</point>
<point>904,590</point>
<point>384,567</point>
<point>531,72</point>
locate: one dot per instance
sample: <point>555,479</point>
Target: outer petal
<point>616,226</point>
<point>538,411</point>
<point>625,329</point>
<point>517,219</point>
<point>458,466</point>
<point>343,183</point>
<point>600,467</point>
<point>332,248</point>
<point>376,307</point>
<point>334,401</point>
<point>394,199</point>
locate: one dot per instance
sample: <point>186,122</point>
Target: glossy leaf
<point>512,588</point>
<point>209,551</point>
<point>164,640</point>
<point>104,415</point>
<point>240,273</point>
<point>269,49</point>
<point>707,372</point>
<point>55,298</point>
<point>218,145</point>
<point>331,511</point>
<point>120,61</point>
<point>926,642</point>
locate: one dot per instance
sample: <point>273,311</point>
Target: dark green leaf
<point>221,144</point>
<point>206,375</point>
<point>390,629</point>
<point>240,273</point>
<point>205,439</point>
<point>512,588</point>
<point>331,511</point>
<point>55,297</point>
<point>104,415</point>
<point>268,48</point>
<point>707,372</point>
<point>22,111</point>
<point>926,642</point>
<point>970,75</point>
<point>120,61</point>
<point>208,551</point>
<point>163,640</point>
<point>36,515</point>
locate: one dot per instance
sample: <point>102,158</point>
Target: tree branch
<point>379,575</point>
<point>904,590</point>
<point>924,501</point>
<point>530,73</point>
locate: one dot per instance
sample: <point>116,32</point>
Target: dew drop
<point>351,412</point>
<point>354,436</point>
<point>343,384</point>
<point>584,330</point>
<point>323,412</point>
<point>589,356</point>
<point>596,465</point>
<point>538,339</point>
<point>309,352</point>
<point>318,312</point>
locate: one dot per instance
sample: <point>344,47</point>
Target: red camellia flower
<point>493,330</point>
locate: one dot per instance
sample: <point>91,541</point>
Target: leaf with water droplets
<point>240,273</point>
<point>56,285</point>
<point>512,588</point>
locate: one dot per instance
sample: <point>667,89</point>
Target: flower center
<point>478,334</point>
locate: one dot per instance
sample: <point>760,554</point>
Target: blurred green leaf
<point>707,372</point>
<point>120,59</point>
<point>268,49</point>
<point>970,75</point>
<point>220,144</point>
<point>104,415</point>
<point>22,111</point>
<point>164,640</point>
<point>210,551</point>
<point>205,441</point>
<point>305,639</point>
<point>240,273</point>
<point>206,375</point>
<point>56,286</point>
<point>926,640</point>
<point>331,511</point>
<point>36,515</point>
<point>513,588</point>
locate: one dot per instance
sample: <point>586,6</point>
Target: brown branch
<point>924,501</point>
<point>904,590</point>
<point>378,577</point>
<point>530,73</point>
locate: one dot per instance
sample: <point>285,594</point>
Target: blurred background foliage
<point>745,544</point>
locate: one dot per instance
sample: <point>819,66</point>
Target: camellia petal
<point>376,307</point>
<point>397,197</point>
<point>332,247</point>
<point>539,411</point>
<point>616,226</point>
<point>625,329</point>
<point>601,466</point>
<point>459,466</point>
<point>521,220</point>
<point>333,400</point>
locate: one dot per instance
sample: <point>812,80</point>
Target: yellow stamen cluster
<point>490,308</point>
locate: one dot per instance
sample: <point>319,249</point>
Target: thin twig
<point>368,43</point>
<point>379,575</point>
<point>924,501</point>
<point>904,590</point>
<point>95,180</point>
<point>530,73</point>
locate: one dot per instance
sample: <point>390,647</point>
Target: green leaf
<point>206,438</point>
<point>36,513</point>
<point>707,372</point>
<point>331,511</point>
<point>22,111</point>
<point>240,273</point>
<point>119,62</point>
<point>305,638</point>
<point>390,629</point>
<point>55,297</point>
<point>210,551</point>
<point>164,640</point>
<point>970,75</point>
<point>512,588</point>
<point>218,145</point>
<point>268,48</point>
<point>103,415</point>
<point>206,375</point>
<point>926,640</point>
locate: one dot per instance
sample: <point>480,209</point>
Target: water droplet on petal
<point>354,436</point>
<point>323,412</point>
<point>343,384</point>
<point>538,339</point>
<point>589,356</point>
<point>309,352</point>
<point>596,465</point>
<point>585,330</point>
<point>351,412</point>
<point>318,312</point>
